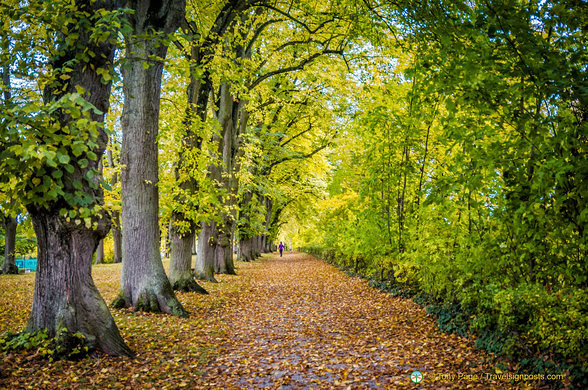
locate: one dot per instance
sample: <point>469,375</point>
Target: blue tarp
<point>26,264</point>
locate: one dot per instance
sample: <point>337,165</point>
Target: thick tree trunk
<point>259,248</point>
<point>144,284</point>
<point>267,246</point>
<point>213,240</point>
<point>255,247</point>
<point>205,257</point>
<point>100,253</point>
<point>65,295</point>
<point>180,266</point>
<point>245,250</point>
<point>224,252</point>
<point>10,225</point>
<point>190,142</point>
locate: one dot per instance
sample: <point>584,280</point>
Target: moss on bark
<point>188,285</point>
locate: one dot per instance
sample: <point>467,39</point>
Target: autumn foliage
<point>291,322</point>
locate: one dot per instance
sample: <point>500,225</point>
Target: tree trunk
<point>269,248</point>
<point>224,251</point>
<point>65,295</point>
<point>144,284</point>
<point>180,265</point>
<point>10,225</point>
<point>245,250</point>
<point>205,257</point>
<point>115,214</point>
<point>100,253</point>
<point>257,246</point>
<point>253,247</point>
<point>117,236</point>
<point>218,242</point>
<point>264,244</point>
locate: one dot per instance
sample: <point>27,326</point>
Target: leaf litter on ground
<point>283,323</point>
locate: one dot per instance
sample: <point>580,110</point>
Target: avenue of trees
<point>434,147</point>
<point>108,106</point>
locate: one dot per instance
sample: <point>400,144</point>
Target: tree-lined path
<point>303,323</point>
<point>437,148</point>
<point>290,322</point>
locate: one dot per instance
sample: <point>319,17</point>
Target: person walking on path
<point>281,247</point>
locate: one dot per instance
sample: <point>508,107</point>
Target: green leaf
<point>63,158</point>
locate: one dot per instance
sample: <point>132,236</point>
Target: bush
<point>545,330</point>
<point>65,345</point>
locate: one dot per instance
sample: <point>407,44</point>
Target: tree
<point>114,195</point>
<point>54,146</point>
<point>144,284</point>
<point>10,221</point>
<point>199,51</point>
<point>271,42</point>
<point>10,226</point>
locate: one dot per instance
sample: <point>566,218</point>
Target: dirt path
<point>305,324</point>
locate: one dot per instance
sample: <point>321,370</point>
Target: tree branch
<point>268,169</point>
<point>293,68</point>
<point>298,135</point>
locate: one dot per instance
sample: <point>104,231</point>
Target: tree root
<point>205,277</point>
<point>188,285</point>
<point>152,301</point>
<point>12,270</point>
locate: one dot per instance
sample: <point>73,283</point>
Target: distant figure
<point>281,247</point>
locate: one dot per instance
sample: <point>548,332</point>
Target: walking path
<point>305,324</point>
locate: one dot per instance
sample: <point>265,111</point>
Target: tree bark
<point>65,295</point>
<point>224,250</point>
<point>205,257</point>
<point>10,225</point>
<point>144,284</point>
<point>245,250</point>
<point>117,236</point>
<point>100,253</point>
<point>180,266</point>
<point>257,246</point>
<point>180,258</point>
